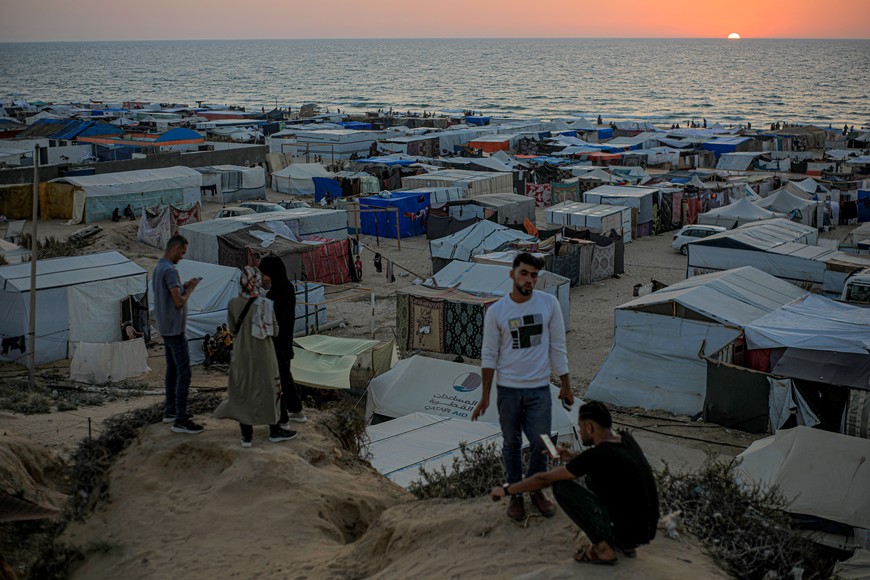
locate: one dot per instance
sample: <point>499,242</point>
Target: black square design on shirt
<point>526,331</point>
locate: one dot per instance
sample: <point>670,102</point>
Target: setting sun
<point>733,36</point>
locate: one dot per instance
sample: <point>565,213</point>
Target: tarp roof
<point>178,134</point>
<point>484,236</point>
<point>623,190</point>
<point>822,474</point>
<point>811,186</point>
<point>736,296</point>
<point>146,179</point>
<point>68,271</point>
<point>743,209</point>
<point>303,171</point>
<point>813,323</point>
<point>762,235</point>
<point>785,202</point>
<point>490,279</point>
<point>831,368</point>
<point>326,361</point>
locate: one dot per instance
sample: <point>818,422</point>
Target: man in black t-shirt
<point>618,508</point>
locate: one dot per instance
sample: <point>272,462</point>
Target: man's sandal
<point>589,556</point>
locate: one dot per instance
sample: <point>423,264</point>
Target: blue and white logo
<point>467,382</point>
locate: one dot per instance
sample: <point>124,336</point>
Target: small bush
<point>347,423</point>
<point>747,530</point>
<point>473,474</point>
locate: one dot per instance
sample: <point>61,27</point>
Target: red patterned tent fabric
<point>329,262</point>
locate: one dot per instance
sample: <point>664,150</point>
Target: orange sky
<point>34,20</point>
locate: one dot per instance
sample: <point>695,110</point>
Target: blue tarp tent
<point>389,161</point>
<point>413,209</point>
<point>605,133</point>
<point>477,121</point>
<point>357,125</point>
<point>724,145</point>
<point>322,185</point>
<point>864,205</point>
<point>178,134</point>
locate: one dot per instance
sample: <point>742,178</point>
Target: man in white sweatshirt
<point>523,338</point>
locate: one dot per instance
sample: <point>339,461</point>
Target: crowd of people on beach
<point>523,340</point>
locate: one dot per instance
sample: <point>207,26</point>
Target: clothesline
<point>395,263</point>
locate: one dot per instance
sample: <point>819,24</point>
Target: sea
<point>659,80</point>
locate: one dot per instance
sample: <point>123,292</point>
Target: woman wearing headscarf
<point>282,293</point>
<point>254,383</point>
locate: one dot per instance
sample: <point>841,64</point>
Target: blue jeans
<point>526,411</point>
<point>177,375</point>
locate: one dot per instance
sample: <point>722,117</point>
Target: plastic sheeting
<point>421,384</point>
<point>296,179</point>
<point>104,362</point>
<point>327,362</point>
<point>783,401</point>
<point>625,195</point>
<point>813,323</point>
<point>737,214</point>
<point>157,230</point>
<point>484,236</point>
<point>819,473</point>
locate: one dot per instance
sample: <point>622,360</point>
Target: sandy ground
<point>202,506</point>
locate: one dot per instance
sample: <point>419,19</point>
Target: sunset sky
<point>48,20</point>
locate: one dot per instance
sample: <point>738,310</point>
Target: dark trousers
<point>586,510</point>
<point>291,395</point>
<point>248,431</point>
<point>177,379</point>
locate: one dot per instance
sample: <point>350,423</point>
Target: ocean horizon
<point>752,80</point>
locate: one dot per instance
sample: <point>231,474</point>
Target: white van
<point>690,234</point>
<point>857,288</point>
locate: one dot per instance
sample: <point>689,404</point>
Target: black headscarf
<point>283,294</point>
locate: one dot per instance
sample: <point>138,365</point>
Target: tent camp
<point>482,237</point>
<point>495,280</point>
<point>78,300</point>
<point>379,213</point>
<point>737,214</point>
<point>297,178</point>
<point>474,183</point>
<point>96,196</point>
<point>659,340</point>
<point>797,209</point>
<point>328,362</point>
<point>232,183</point>
<point>769,246</point>
<point>598,218</point>
<point>820,474</point>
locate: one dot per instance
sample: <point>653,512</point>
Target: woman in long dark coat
<point>283,294</point>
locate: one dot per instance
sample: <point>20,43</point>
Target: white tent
<point>96,196</point>
<point>659,340</point>
<point>78,299</point>
<point>737,214</point>
<point>812,187</point>
<point>599,218</point>
<point>819,473</point>
<point>207,306</point>
<point>233,183</point>
<point>421,384</point>
<point>473,182</point>
<point>804,211</point>
<point>297,178</point>
<point>482,237</point>
<point>495,280</point>
<point>399,448</point>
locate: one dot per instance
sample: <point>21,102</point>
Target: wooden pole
<point>34,244</point>
<point>398,233</point>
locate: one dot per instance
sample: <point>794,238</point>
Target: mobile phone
<point>566,405</point>
<point>548,443</point>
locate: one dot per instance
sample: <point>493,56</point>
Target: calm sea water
<point>820,81</point>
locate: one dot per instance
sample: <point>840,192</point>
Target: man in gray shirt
<point>170,308</point>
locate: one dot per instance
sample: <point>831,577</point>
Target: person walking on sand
<point>523,337</point>
<point>282,293</point>
<point>618,510</point>
<point>170,309</point>
<point>254,382</point>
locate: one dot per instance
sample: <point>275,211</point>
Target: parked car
<point>856,290</point>
<point>234,211</point>
<point>691,233</point>
<point>293,204</point>
<point>261,206</point>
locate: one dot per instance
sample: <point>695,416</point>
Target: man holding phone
<point>523,338</point>
<point>618,509</point>
<point>170,309</point>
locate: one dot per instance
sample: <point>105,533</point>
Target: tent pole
<point>34,245</point>
<point>398,233</point>
<point>373,315</point>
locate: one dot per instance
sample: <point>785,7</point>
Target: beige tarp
<point>56,200</point>
<point>109,361</point>
<point>822,474</point>
<point>16,201</point>
<point>332,363</point>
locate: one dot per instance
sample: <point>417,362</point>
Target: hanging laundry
<point>378,264</point>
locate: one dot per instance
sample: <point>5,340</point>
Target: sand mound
<point>203,506</point>
<point>32,472</point>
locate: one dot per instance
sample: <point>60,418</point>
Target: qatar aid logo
<point>467,382</point>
